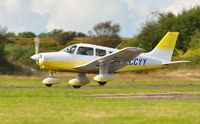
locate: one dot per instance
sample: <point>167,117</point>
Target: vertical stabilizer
<point>165,47</point>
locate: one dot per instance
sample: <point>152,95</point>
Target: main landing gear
<point>79,81</point>
<point>76,87</point>
<point>102,83</point>
<point>48,85</point>
<point>50,81</point>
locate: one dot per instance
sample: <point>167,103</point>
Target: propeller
<point>37,44</point>
<point>36,56</point>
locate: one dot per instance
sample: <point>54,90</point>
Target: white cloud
<point>81,15</point>
<point>11,6</point>
<point>179,5</point>
<point>17,16</point>
<point>43,7</point>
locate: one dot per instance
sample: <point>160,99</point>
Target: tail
<point>165,47</point>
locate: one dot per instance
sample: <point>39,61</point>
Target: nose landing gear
<point>50,81</point>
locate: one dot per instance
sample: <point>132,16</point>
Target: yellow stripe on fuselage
<point>139,67</point>
<point>69,66</point>
<point>61,65</point>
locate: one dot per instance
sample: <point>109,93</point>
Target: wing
<point>114,61</point>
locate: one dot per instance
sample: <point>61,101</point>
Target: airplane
<point>84,58</point>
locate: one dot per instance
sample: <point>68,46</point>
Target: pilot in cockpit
<point>82,51</point>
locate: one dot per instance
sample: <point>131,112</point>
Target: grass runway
<point>24,100</point>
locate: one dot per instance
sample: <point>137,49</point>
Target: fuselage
<point>70,57</point>
<point>103,61</point>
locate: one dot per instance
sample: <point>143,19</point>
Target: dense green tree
<point>80,34</point>
<point>65,37</point>
<point>55,32</point>
<point>26,35</point>
<point>186,23</point>
<point>107,29</point>
<point>106,34</point>
<point>42,35</point>
<point>10,35</point>
<point>147,37</point>
<point>2,45</point>
<point>5,66</point>
<point>3,40</point>
<point>195,40</point>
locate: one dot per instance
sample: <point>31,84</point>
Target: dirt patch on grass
<point>20,87</point>
<point>104,87</point>
<point>152,96</point>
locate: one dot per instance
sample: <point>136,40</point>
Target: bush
<point>191,55</point>
<point>26,35</point>
<point>65,37</point>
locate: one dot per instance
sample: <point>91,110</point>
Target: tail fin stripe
<point>165,47</point>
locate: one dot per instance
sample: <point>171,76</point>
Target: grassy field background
<point>24,100</point>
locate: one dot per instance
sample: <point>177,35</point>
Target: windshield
<point>70,49</point>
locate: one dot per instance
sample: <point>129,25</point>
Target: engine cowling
<point>51,80</point>
<point>103,77</point>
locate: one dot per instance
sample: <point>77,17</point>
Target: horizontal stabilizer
<point>175,62</point>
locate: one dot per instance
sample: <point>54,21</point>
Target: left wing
<point>113,61</point>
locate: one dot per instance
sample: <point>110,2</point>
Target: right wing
<point>114,61</point>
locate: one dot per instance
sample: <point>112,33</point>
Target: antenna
<point>120,44</point>
<point>139,45</point>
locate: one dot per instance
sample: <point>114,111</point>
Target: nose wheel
<point>50,81</point>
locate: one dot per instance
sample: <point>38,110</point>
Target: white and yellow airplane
<point>104,61</point>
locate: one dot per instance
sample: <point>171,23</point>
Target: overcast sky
<point>81,15</point>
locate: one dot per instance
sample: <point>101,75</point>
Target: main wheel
<point>48,85</point>
<point>102,83</point>
<point>76,86</point>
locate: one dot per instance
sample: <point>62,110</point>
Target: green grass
<point>24,100</point>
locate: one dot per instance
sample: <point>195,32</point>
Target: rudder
<point>165,47</point>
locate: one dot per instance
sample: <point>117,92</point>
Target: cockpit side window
<point>70,49</point>
<point>100,52</point>
<point>85,51</point>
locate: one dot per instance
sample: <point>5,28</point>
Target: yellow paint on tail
<point>168,41</point>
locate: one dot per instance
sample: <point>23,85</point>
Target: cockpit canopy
<point>89,50</point>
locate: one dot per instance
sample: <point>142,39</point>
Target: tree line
<point>187,23</point>
<point>107,34</point>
